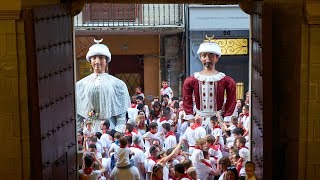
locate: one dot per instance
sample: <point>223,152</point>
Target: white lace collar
<point>211,78</point>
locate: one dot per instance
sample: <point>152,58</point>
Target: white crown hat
<point>209,46</point>
<point>98,49</point>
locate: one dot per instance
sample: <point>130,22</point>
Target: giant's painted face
<point>208,60</point>
<point>99,63</point>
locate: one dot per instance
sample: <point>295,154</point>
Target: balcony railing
<point>130,15</point>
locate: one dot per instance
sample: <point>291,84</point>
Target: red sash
<point>195,125</point>
<point>207,164</point>
<point>170,133</point>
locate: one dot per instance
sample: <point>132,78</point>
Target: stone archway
<point>261,100</point>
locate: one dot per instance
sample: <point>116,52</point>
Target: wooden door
<point>261,88</point>
<point>49,43</point>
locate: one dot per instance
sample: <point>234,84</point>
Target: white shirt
<point>150,136</point>
<point>203,170</point>
<point>217,132</point>
<point>169,142</point>
<point>192,135</point>
<point>245,154</point>
<point>106,142</point>
<point>167,91</point>
<point>127,174</point>
<point>138,158</point>
<point>93,175</point>
<point>196,156</point>
<point>149,167</point>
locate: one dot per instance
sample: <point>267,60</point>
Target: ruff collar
<point>211,78</point>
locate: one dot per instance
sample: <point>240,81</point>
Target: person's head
<point>245,109</point>
<point>98,135</point>
<point>117,135</point>
<point>92,148</point>
<point>156,143</point>
<point>165,98</point>
<point>209,140</point>
<point>239,103</point>
<point>224,162</point>
<point>129,140</point>
<point>99,56</point>
<point>187,163</point>
<point>139,100</point>
<point>153,127</point>
<point>234,158</point>
<point>133,99</point>
<point>154,150</point>
<point>192,173</point>
<point>214,120</point>
<point>232,173</point>
<point>166,112</point>
<point>156,106</point>
<point>138,90</point>
<point>233,150</point>
<point>234,120</point>
<point>209,53</point>
<point>136,139</point>
<point>89,124</point>
<point>105,126</point>
<point>129,128</point>
<point>198,119</point>
<point>250,168</point>
<point>165,83</point>
<point>93,140</point>
<point>79,136</point>
<point>179,169</point>
<point>157,171</point>
<point>161,154</point>
<point>123,142</point>
<point>166,127</point>
<point>88,160</point>
<point>200,142</point>
<point>237,132</point>
<point>228,133</point>
<point>240,142</point>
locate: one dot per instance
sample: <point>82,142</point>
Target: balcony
<point>130,17</point>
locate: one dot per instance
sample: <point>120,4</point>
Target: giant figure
<point>105,94</point>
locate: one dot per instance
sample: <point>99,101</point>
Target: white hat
<point>209,46</point>
<point>98,49</point>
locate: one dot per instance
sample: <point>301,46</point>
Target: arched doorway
<point>51,88</point>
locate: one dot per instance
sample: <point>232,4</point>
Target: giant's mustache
<point>207,64</point>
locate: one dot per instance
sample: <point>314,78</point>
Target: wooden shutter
<point>49,43</point>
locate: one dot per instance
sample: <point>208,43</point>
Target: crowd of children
<point>159,143</point>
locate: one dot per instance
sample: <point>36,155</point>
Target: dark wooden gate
<point>49,43</point>
<point>261,88</point>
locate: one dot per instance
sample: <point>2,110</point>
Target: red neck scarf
<point>137,146</point>
<point>153,158</point>
<point>127,134</point>
<point>207,164</point>
<point>197,147</point>
<point>195,125</point>
<point>88,170</point>
<point>217,126</point>
<point>170,133</point>
<point>133,105</point>
<point>157,178</point>
<point>122,146</point>
<point>163,119</point>
<point>214,147</point>
<point>164,87</point>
